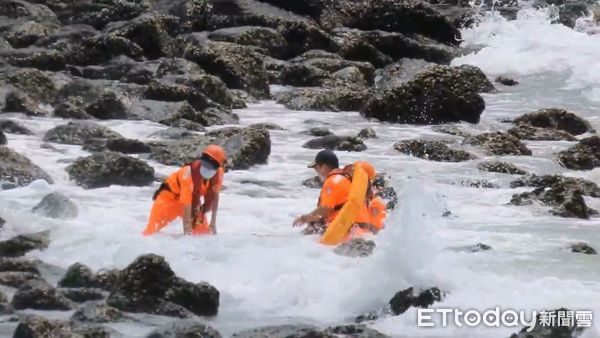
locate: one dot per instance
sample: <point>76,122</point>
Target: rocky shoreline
<point>187,64</point>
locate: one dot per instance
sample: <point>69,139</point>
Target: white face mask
<point>207,173</point>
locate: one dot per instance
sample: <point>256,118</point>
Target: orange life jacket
<point>201,188</point>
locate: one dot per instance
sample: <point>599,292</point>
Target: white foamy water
<point>269,274</point>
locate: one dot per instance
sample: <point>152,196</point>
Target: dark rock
<point>358,247</point>
<point>585,155</point>
<point>93,331</point>
<point>588,188</point>
<point>110,168</point>
<point>40,298</point>
<point>97,313</point>
<point>582,247</point>
<point>72,108</point>
<point>18,279</point>
<point>84,295</point>
<point>245,147</point>
<point>499,143</point>
<point>56,205</point>
<point>303,36</point>
<point>20,102</point>
<point>313,183</point>
<point>108,106</point>
<point>474,248</point>
<point>367,133</point>
<point>382,48</point>
<point>77,132</point>
<point>324,99</point>
<point>184,328</point>
<point>12,127</point>
<point>202,298</point>
<point>107,279</point>
<point>569,12</point>
<point>2,221</point>
<point>402,17</point>
<point>78,276</point>
<point>283,331</point>
<point>403,300</point>
<point>399,73</point>
<point>172,92</point>
<point>27,33</point>
<point>452,130</point>
<point>3,139</point>
<point>440,94</point>
<point>211,86</point>
<point>500,167</point>
<point>319,131</point>
<point>506,81</point>
<point>184,124</point>
<point>33,82</point>
<point>17,265</point>
<point>263,37</point>
<point>22,244</point>
<point>354,331</point>
<point>293,74</point>
<point>17,170</point>
<point>556,118</point>
<point>267,126</point>
<point>332,65</point>
<point>149,285</point>
<point>527,132</point>
<point>125,146</point>
<point>334,142</point>
<point>101,48</point>
<point>152,32</point>
<point>240,67</point>
<point>432,150</point>
<point>49,60</point>
<point>38,327</point>
<point>555,329</point>
<point>477,183</point>
<point>566,200</point>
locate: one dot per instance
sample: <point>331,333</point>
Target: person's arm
<point>213,216</point>
<point>188,225</point>
<point>316,215</point>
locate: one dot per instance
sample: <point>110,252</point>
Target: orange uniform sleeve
<point>335,191</point>
<point>186,184</point>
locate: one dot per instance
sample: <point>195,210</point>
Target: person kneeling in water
<point>334,193</point>
<point>190,192</point>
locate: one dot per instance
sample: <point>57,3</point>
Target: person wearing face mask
<point>334,193</point>
<point>190,193</point>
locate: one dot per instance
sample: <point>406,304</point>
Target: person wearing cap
<point>190,193</point>
<point>334,193</point>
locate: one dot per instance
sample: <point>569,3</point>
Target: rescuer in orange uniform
<point>334,194</point>
<point>191,192</point>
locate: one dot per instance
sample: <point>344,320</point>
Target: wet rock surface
<point>584,248</point>
<point>439,94</point>
<point>564,194</point>
<point>149,285</point>
<point>17,170</point>
<point>110,168</point>
<point>585,155</point>
<point>432,150</point>
<point>22,244</point>
<point>500,167</point>
<point>56,205</point>
<point>499,143</point>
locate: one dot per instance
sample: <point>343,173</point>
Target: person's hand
<point>299,221</point>
<point>187,230</point>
